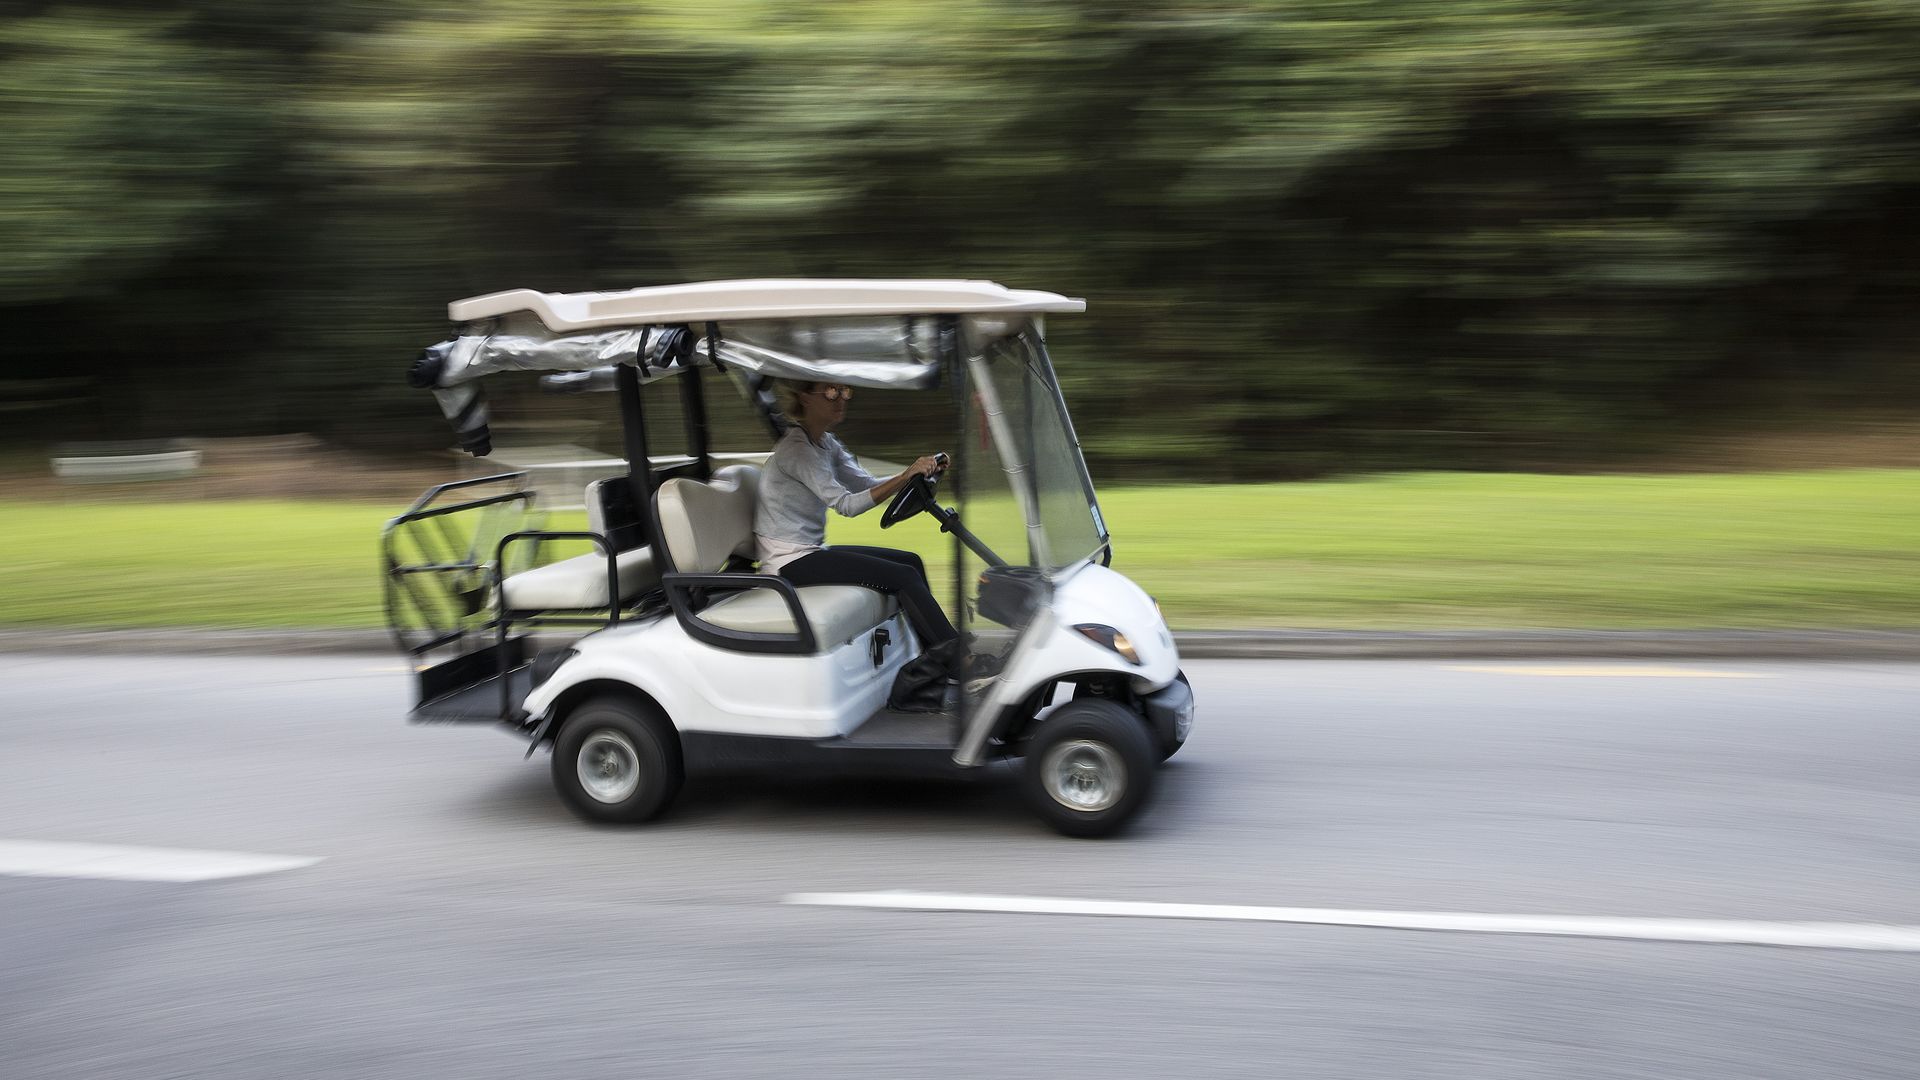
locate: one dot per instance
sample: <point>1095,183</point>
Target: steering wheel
<point>914,497</point>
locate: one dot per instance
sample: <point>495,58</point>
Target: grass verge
<point>1834,549</point>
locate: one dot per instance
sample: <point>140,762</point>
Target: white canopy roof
<point>767,298</point>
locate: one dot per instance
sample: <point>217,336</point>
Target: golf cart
<point>683,658</point>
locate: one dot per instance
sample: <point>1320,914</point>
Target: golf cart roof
<point>760,299</point>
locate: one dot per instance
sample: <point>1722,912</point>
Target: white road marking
<point>36,858</point>
<point>1805,935</point>
<point>1607,671</point>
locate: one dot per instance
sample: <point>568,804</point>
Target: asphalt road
<point>462,924</point>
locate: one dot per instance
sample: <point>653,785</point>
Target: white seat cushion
<point>838,612</point>
<point>704,525</point>
<point>579,583</point>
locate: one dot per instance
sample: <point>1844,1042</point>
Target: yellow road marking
<point>1606,671</point>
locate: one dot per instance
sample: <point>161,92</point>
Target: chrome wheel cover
<point>1084,775</point>
<point>608,766</point>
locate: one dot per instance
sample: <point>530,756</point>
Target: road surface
<point>458,922</point>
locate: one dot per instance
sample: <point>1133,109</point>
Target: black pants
<point>897,572</point>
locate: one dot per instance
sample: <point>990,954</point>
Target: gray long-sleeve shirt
<point>797,485</point>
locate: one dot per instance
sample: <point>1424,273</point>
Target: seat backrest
<point>610,512</point>
<point>704,525</point>
<point>596,499</point>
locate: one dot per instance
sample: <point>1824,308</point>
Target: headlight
<point>1111,638</point>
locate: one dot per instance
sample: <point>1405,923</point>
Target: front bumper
<point>1170,711</point>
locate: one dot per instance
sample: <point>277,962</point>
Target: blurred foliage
<point>1313,234</point>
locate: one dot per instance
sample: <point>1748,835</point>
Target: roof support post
<point>693,406</point>
<point>954,373</point>
<point>633,429</point>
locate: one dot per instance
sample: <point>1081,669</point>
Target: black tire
<point>629,750</point>
<point>1089,768</point>
<point>1164,748</point>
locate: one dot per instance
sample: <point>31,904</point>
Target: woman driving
<point>810,471</point>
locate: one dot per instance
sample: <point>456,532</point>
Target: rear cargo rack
<point>438,559</point>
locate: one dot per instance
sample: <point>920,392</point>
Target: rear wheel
<point>616,761</point>
<point>1090,767</point>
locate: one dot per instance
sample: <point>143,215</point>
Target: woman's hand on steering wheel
<point>918,492</point>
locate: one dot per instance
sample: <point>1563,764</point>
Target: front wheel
<point>1090,767</point>
<point>616,762</point>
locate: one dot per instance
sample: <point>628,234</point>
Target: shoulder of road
<point>1812,644</point>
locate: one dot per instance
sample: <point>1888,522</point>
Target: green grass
<point>1435,550</point>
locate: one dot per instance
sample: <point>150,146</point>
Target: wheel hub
<point>1084,775</point>
<point>608,766</point>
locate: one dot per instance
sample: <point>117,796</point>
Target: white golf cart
<point>692,661</point>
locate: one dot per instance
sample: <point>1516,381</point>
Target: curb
<point>1546,644</point>
<point>1194,644</point>
<point>198,642</point>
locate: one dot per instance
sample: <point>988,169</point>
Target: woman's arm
<point>816,472</point>
<point>847,469</point>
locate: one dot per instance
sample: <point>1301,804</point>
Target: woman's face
<point>826,403</point>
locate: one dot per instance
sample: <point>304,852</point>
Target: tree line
<point>1314,234</point>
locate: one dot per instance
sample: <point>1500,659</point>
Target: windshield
<point>1017,409</point>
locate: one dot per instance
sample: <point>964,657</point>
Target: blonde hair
<point>786,394</point>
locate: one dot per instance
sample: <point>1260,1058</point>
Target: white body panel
<point>703,688</point>
<point>1097,594</point>
<point>708,689</point>
<point>1051,648</point>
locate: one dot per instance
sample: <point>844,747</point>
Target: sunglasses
<point>835,393</point>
